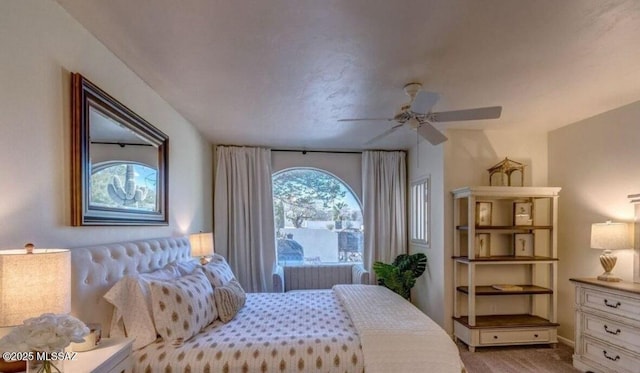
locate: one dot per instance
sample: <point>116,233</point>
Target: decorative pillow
<point>218,271</point>
<point>182,307</point>
<point>131,298</point>
<point>230,298</point>
<point>187,268</point>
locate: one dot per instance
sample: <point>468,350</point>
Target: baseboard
<point>566,341</point>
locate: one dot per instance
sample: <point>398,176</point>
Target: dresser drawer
<point>613,332</point>
<point>611,303</point>
<point>611,358</point>
<point>498,337</point>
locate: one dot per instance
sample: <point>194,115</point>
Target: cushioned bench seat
<point>317,276</point>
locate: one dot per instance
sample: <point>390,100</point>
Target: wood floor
<point>521,359</point>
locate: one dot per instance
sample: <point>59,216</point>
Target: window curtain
<point>384,180</point>
<point>243,214</point>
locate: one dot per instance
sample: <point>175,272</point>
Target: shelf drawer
<point>611,303</point>
<point>613,359</point>
<point>498,337</point>
<point>613,332</point>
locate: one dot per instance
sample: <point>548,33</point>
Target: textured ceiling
<point>281,72</point>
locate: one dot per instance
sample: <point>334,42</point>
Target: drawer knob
<point>495,337</point>
<point>616,332</point>
<point>535,336</point>
<point>616,305</point>
<point>609,357</point>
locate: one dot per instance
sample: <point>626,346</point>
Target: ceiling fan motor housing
<point>412,90</point>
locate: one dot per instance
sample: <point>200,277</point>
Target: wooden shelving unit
<point>480,324</point>
<point>488,290</point>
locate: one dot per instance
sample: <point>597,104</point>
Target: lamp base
<point>609,277</point>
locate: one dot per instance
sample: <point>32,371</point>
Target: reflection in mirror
<point>119,162</point>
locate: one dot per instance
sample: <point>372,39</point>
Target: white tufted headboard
<point>95,269</point>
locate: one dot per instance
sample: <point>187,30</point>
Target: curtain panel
<point>384,184</point>
<point>243,214</point>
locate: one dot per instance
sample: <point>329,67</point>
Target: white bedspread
<point>396,336</point>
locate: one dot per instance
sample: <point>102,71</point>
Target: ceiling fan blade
<point>424,101</point>
<point>363,119</point>
<point>491,112</point>
<point>385,133</point>
<point>431,134</point>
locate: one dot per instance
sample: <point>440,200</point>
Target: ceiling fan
<point>418,115</point>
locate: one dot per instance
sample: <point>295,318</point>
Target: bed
<point>350,328</point>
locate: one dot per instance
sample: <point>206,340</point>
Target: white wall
<point>41,44</point>
<point>428,294</point>
<point>595,163</point>
<point>463,161</point>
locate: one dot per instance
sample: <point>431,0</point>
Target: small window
<point>124,185</point>
<point>420,212</point>
<point>318,218</point>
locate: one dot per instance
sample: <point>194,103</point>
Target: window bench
<point>320,276</point>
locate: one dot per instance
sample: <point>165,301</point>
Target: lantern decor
<point>501,174</point>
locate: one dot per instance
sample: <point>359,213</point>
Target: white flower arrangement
<point>45,333</point>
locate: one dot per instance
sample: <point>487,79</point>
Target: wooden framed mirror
<point>119,162</point>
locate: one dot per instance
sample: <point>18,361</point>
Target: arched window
<point>124,185</point>
<point>318,218</point>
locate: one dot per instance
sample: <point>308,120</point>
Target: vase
<point>51,362</point>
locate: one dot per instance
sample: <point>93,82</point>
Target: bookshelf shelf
<point>488,290</point>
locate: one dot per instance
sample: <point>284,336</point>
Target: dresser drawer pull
<point>535,336</point>
<point>606,329</point>
<point>606,303</point>
<point>495,337</point>
<point>609,357</point>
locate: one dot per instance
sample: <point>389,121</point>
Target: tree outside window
<point>318,218</point>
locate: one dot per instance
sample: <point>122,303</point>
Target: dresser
<point>607,326</point>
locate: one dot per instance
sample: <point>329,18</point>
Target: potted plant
<point>400,276</point>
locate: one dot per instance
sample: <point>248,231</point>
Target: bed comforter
<point>284,332</point>
<point>352,328</point>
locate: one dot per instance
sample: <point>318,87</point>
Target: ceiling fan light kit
<point>418,115</point>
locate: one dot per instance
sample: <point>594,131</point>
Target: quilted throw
<point>273,332</point>
<point>396,336</point>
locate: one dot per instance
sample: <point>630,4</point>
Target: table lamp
<point>201,245</point>
<point>33,282</point>
<point>609,236</point>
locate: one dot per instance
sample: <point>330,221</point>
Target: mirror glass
<point>119,162</point>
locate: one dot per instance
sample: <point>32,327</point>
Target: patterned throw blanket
<point>396,336</point>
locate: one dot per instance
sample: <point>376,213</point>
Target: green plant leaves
<point>401,275</point>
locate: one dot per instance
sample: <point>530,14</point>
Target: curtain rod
<point>120,144</point>
<point>304,151</point>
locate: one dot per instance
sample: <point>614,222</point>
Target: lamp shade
<point>201,244</point>
<point>610,236</point>
<point>33,284</point>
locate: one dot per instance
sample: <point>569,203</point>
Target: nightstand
<point>113,355</point>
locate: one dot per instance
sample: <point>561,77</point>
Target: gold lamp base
<point>608,261</point>
<point>607,276</point>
